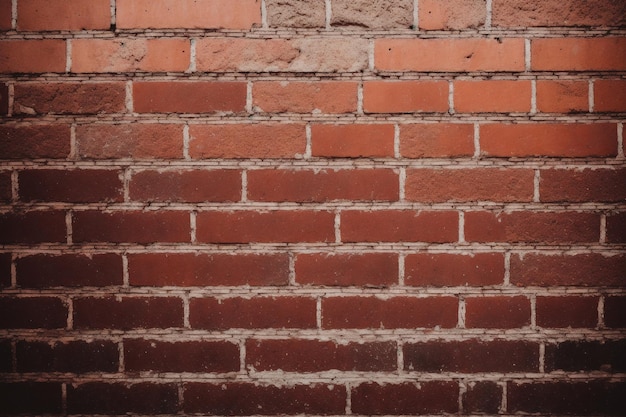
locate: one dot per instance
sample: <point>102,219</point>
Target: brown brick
<point>586,355</point>
<point>528,226</point>
<point>267,140</point>
<point>368,14</point>
<point>362,269</point>
<point>616,228</point>
<point>193,269</point>
<point>73,356</point>
<point>578,54</point>
<point>516,14</point>
<point>568,140</point>
<point>276,226</point>
<point>615,311</point>
<point>73,186</point>
<point>570,311</point>
<point>121,398</point>
<point>323,185</point>
<point>497,312</point>
<point>492,96</point>
<point>305,97</point>
<point>391,313</point>
<point>405,96</point>
<point>134,140</point>
<point>31,398</point>
<point>447,269</point>
<point>182,356</point>
<point>562,96</point>
<point>35,141</point>
<point>253,313</point>
<point>32,227</point>
<point>585,269</point>
<point>5,14</point>
<point>244,398</point>
<point>195,186</point>
<point>5,186</point>
<point>436,140</point>
<point>584,185</point>
<point>410,398</point>
<point>609,95</point>
<point>131,226</point>
<point>69,270</point>
<point>352,141</point>
<point>469,184</point>
<point>32,56</point>
<point>127,313</point>
<point>42,15</point>
<point>296,13</point>
<point>5,270</point>
<point>32,313</point>
<point>130,55</point>
<point>302,355</point>
<point>451,14</point>
<point>482,397</point>
<point>70,98</point>
<point>446,55</point>
<point>399,226</point>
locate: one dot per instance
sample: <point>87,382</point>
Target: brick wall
<point>268,207</point>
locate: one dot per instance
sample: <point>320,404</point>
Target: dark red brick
<point>482,397</point>
<point>74,356</point>
<point>568,311</point>
<point>4,96</point>
<point>615,311</point>
<point>585,355</point>
<point>35,141</point>
<point>32,313</point>
<point>32,227</point>
<point>5,186</point>
<point>586,185</point>
<point>616,228</point>
<point>5,270</point>
<point>497,312</point>
<point>69,98</point>
<point>365,269</point>
<point>72,186</point>
<point>6,356</point>
<point>448,269</point>
<point>31,398</point>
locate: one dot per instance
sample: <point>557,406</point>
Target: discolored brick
<point>377,14</point>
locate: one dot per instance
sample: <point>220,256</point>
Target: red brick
<point>31,398</point>
<point>405,96</point>
<point>326,54</point>
<point>4,96</point>
<point>42,15</point>
<point>73,186</point>
<point>195,186</point>
<point>323,185</point>
<point>125,313</point>
<point>35,141</point>
<point>5,14</point>
<point>32,56</point>
<point>616,228</point>
<point>609,95</point>
<point>561,312</point>
<point>471,356</point>
<point>69,270</point>
<point>615,311</point>
<point>578,54</point>
<point>296,13</point>
<point>528,226</point>
<point>244,398</point>
<point>122,398</point>
<point>188,14</point>
<point>562,96</point>
<point>305,97</point>
<point>410,398</point>
<point>252,313</point>
<point>6,355</point>
<point>73,356</point>
<point>391,313</point>
<point>445,55</point>
<point>364,269</point>
<point>469,184</point>
<point>130,55</point>
<point>583,185</point>
<point>593,397</point>
<point>134,140</point>
<point>352,141</point>
<point>267,140</point>
<point>586,355</point>
<point>381,14</point>
<point>300,355</point>
<point>399,226</point>
<point>32,313</point>
<point>131,226</point>
<point>567,140</point>
<point>32,227</point>
<point>187,356</point>
<point>5,186</point>
<point>586,269</point>
<point>268,227</point>
<point>69,98</point>
<point>447,269</point>
<point>436,140</point>
<point>482,397</point>
<point>5,270</point>
<point>193,269</point>
<point>497,312</point>
<point>512,13</point>
<point>189,97</point>
<point>492,96</point>
<point>451,14</point>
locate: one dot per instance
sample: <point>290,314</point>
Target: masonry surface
<point>288,207</point>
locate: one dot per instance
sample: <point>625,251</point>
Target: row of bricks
<point>373,269</point>
<point>593,397</point>
<point>270,140</point>
<point>318,97</point>
<point>55,15</point>
<point>334,54</point>
<point>302,312</point>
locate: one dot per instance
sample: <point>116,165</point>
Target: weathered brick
<point>497,312</point>
<point>32,56</point>
<point>32,227</point>
<point>446,269</point>
<point>378,14</point>
<point>75,186</point>
<point>363,269</point>
<point>305,97</point>
<point>296,13</point>
<point>609,95</point>
<point>352,141</point>
<point>516,14</point>
<point>492,96</point>
<point>482,397</point>
<point>616,228</point>
<point>436,140</point>
<point>578,54</point>
<point>43,15</point>
<point>5,186</point>
<point>615,311</point>
<point>586,355</point>
<point>72,356</point>
<point>562,96</point>
<point>32,313</point>
<point>583,185</point>
<point>452,14</point>
<point>570,311</point>
<point>408,398</point>
<point>31,398</point>
<point>405,96</point>
<point>35,141</point>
